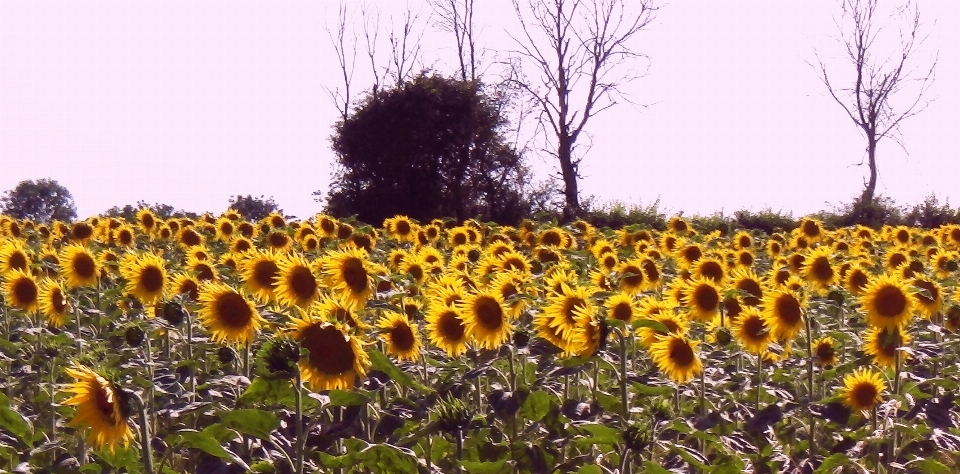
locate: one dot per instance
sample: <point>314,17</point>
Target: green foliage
<point>766,220</point>
<point>253,208</point>
<point>618,214</point>
<point>43,200</point>
<point>162,211</point>
<point>432,147</point>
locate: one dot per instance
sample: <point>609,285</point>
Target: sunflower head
<point>446,329</point>
<point>863,389</point>
<point>334,358</point>
<point>887,302</point>
<point>20,290</point>
<point>676,357</point>
<point>783,311</point>
<point>487,320</point>
<point>400,336</point>
<point>228,314</point>
<point>146,276</point>
<point>101,406</point>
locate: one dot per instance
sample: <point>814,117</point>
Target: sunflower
<point>632,277</point>
<point>621,307</point>
<point>101,406</point>
<point>260,271</point>
<point>79,266</point>
<point>146,276</point>
<point>774,248</point>
<point>400,336</point>
<point>13,256</point>
<point>661,312</point>
<point>608,262</point>
<point>186,284</point>
<point>81,232</point>
<point>951,318</point>
<point>652,273</point>
<point>783,310</point>
<point>702,299</point>
<point>53,302</point>
<point>21,291</point>
<point>856,279</point>
<point>335,357</point>
<point>887,302</point>
<point>742,241</point>
<point>513,288</point>
<point>278,240</point>
<point>752,331</point>
<point>566,310</point>
<point>710,268</point>
<point>676,357</point>
<point>295,282</point>
<point>748,285</point>
<point>446,330</point>
<point>486,319</point>
<point>929,298</point>
<point>688,254</point>
<point>513,261</point>
<point>818,270</point>
<point>124,236</point>
<point>147,221</point>
<point>348,272</point>
<point>824,352</point>
<point>228,315</point>
<point>401,228</point>
<point>863,389</point>
<point>883,344</point>
<point>414,266</point>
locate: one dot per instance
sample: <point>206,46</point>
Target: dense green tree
<point>431,147</point>
<point>254,208</point>
<point>43,200</point>
<point>163,211</point>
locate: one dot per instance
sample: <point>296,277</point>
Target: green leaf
<point>379,361</point>
<point>15,423</point>
<point>651,467</point>
<point>343,398</point>
<point>536,406</point>
<point>652,324</point>
<point>929,466</point>
<point>651,390</point>
<point>601,434</point>
<point>258,423</point>
<point>206,443</point>
<point>485,467</point>
<point>590,469</point>
<point>832,462</point>
<point>274,392</point>
<point>388,459</point>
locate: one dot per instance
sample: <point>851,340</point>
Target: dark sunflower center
<point>330,352</point>
<point>858,280</point>
<point>811,229</point>
<point>147,221</point>
<point>651,271</point>
<point>930,294</point>
<point>514,263</point>
<point>732,308</point>
<point>745,241</point>
<point>277,239</point>
<point>233,310</point>
<point>551,238</point>
<point>488,312</point>
<point>81,231</point>
<point>705,297</point>
<point>622,311</point>
<point>753,329</point>
<point>190,237</point>
<point>57,300</point>
<point>890,301</point>
<point>189,288</point>
<point>609,261</point>
<point>416,271</point>
<point>246,229</point>
<point>712,270</point>
<point>403,228</point>
<point>402,337</point>
<point>752,289</point>
<point>788,310</point>
<point>302,282</point>
<point>633,277</point>
<point>204,271</point>
<point>17,261</point>
<point>864,394</point>
<point>671,325</point>
<point>681,353</point>
<point>692,253</point>
<point>508,290</point>
<point>328,226</point>
<point>450,326</point>
<point>84,266</point>
<point>825,351</point>
<point>745,258</point>
<point>226,228</point>
<point>354,275</point>
<point>264,273</point>
<point>104,404</point>
<point>546,255</point>
<point>125,237</point>
<point>897,259</point>
<point>151,279</point>
<point>570,305</point>
<point>821,269</point>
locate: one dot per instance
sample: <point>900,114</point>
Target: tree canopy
<point>430,147</point>
<point>43,200</point>
<point>253,208</point>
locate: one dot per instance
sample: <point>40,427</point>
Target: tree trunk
<point>570,191</point>
<point>868,192</point>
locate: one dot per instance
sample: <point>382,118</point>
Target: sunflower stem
<point>246,359</point>
<point>623,374</point>
<point>703,394</point>
<point>513,372</point>
<point>146,449</point>
<point>759,378</point>
<point>299,421</point>
<point>459,449</point>
<point>193,380</point>
<point>148,352</point>
<point>625,461</point>
<point>812,444</point>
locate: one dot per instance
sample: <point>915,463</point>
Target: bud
<point>134,336</point>
<point>226,355</point>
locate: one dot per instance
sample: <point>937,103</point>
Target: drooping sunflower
<point>882,345</point>
<point>400,336</point>
<point>676,357</point>
<point>146,276</point>
<point>446,330</point>
<point>101,406</point>
<point>486,319</point>
<point>348,272</point>
<point>228,314</point>
<point>335,357</point>
<point>79,266</point>
<point>702,299</point>
<point>752,331</point>
<point>887,302</point>
<point>863,389</point>
<point>260,271</point>
<point>53,302</point>
<point>783,311</point>
<point>20,290</point>
<point>296,285</point>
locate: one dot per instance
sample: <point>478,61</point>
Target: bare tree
<point>582,55</point>
<point>345,47</point>
<point>456,16</point>
<point>884,89</point>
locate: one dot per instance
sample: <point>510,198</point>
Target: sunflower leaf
<point>536,406</point>
<point>652,324</point>
<point>485,467</point>
<point>379,361</point>
<point>258,423</point>
<point>343,398</point>
<point>15,423</point>
<point>206,443</point>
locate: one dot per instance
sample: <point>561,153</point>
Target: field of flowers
<point>218,345</point>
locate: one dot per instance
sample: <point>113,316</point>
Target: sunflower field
<point>219,345</point>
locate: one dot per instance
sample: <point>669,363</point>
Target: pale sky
<point>189,102</point>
